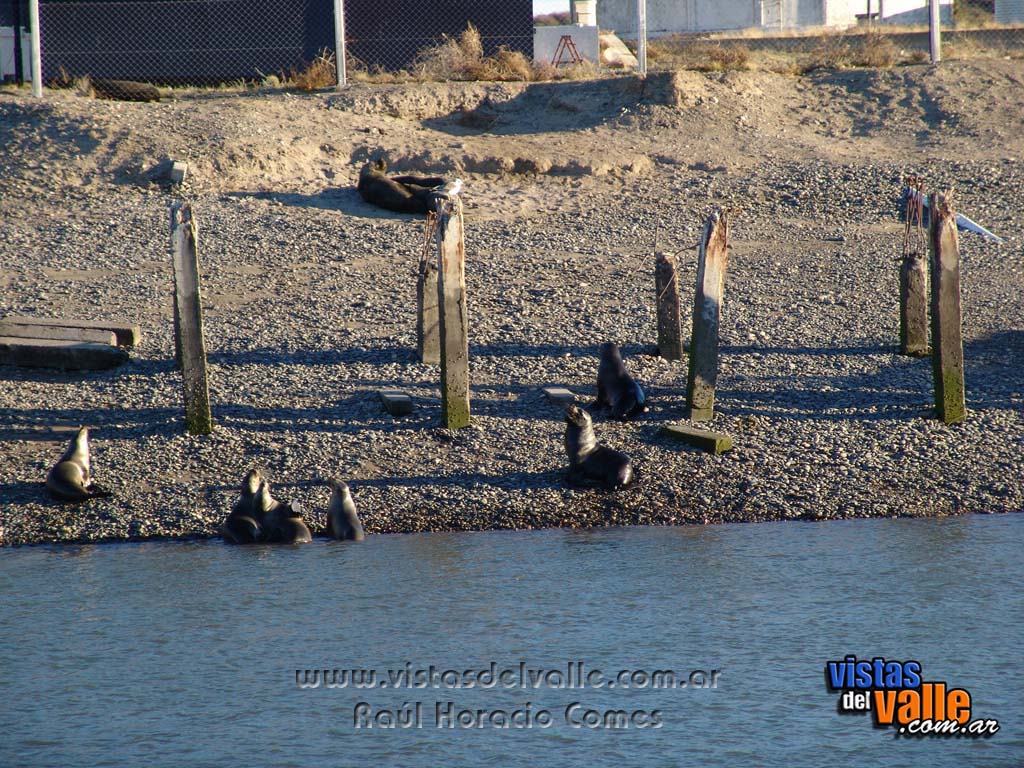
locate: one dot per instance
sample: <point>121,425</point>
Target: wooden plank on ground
<point>712,442</point>
<point>56,332</point>
<point>57,353</point>
<point>128,335</point>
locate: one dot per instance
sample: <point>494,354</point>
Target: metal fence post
<point>339,42</point>
<point>37,59</point>
<point>934,21</point>
<point>641,35</point>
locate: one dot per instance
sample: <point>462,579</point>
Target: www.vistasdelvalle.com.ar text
<point>575,675</point>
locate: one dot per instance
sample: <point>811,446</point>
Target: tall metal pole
<point>933,30</point>
<point>339,42</point>
<point>641,35</point>
<point>37,58</point>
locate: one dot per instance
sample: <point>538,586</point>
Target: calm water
<point>186,654</point>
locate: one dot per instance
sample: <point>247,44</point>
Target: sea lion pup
<point>591,463</point>
<point>616,389</point>
<point>70,478</point>
<point>242,524</point>
<point>342,518</point>
<point>282,523</point>
<point>403,194</point>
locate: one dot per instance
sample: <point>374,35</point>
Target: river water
<point>187,653</point>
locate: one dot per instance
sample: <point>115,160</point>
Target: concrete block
<point>712,442</point>
<point>559,396</point>
<point>127,335</point>
<point>395,402</point>
<point>57,353</point>
<point>179,170</point>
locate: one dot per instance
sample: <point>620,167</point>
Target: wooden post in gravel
<point>428,338</point>
<point>913,272</point>
<point>670,325</point>
<point>947,342</point>
<point>707,306</point>
<point>913,306</point>
<point>453,320</point>
<point>188,320</point>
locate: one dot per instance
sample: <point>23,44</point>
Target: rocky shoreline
<point>309,297</point>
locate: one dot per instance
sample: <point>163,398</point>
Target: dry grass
<point>875,50</point>
<point>462,58</point>
<point>320,73</point>
<point>701,55</point>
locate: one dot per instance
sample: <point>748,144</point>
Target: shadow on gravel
<point>867,349</point>
<point>993,374</point>
<point>342,199</point>
<point>21,491</point>
<point>44,424</point>
<point>510,480</point>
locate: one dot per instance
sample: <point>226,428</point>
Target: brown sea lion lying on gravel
<point>403,194</point>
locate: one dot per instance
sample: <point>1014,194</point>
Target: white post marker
<point>339,42</point>
<point>37,58</point>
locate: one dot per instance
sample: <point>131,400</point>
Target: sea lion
<point>242,525</point>
<point>616,389</point>
<point>342,518</point>
<point>403,194</point>
<point>70,478</point>
<point>282,523</point>
<point>591,463</point>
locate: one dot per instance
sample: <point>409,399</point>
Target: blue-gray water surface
<point>185,654</point>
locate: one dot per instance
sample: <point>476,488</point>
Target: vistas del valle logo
<point>898,697</point>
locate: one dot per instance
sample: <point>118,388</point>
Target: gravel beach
<point>309,297</point>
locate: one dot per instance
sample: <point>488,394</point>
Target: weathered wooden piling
<point>188,320</point>
<point>428,334</point>
<point>452,315</point>
<point>670,325</point>
<point>707,305</point>
<point>913,306</point>
<point>913,272</point>
<point>947,341</point>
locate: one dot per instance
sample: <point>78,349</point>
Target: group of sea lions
<point>257,517</point>
<point>592,464</point>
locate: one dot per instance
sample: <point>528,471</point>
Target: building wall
<point>1010,11</point>
<point>669,16</point>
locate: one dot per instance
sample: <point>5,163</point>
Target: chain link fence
<point>206,42</point>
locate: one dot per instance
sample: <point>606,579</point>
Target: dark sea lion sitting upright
<point>590,463</point>
<point>282,523</point>
<point>70,479</point>
<point>342,518</point>
<point>616,389</point>
<point>403,194</point>
<point>242,525</point>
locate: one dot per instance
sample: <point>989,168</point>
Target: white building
<point>665,17</point>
